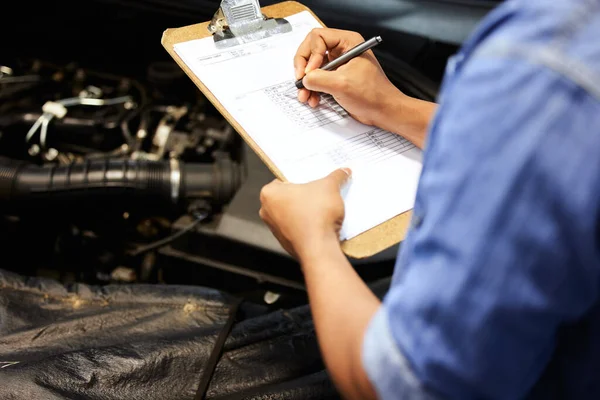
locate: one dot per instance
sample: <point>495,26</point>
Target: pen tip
<point>379,39</point>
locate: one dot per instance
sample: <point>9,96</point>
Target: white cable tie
<point>56,109</point>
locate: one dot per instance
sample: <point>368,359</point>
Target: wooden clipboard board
<point>365,245</point>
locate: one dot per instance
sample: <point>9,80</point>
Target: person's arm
<point>342,307</point>
<point>360,86</point>
<point>408,117</point>
<point>306,220</point>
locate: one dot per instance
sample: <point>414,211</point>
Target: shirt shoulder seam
<point>573,70</point>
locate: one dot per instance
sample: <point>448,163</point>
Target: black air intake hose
<point>116,180</point>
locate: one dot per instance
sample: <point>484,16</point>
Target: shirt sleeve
<point>504,244</point>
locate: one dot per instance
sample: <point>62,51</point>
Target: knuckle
<point>343,83</point>
<point>334,207</point>
<point>306,42</point>
<point>264,194</point>
<point>357,37</point>
<point>315,32</point>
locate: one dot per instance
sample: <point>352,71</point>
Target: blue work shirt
<point>495,293</point>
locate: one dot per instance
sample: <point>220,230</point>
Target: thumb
<point>340,177</point>
<point>322,81</point>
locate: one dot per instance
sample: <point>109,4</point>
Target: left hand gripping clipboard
<point>364,245</point>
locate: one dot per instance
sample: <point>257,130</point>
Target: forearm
<point>342,307</point>
<point>407,117</point>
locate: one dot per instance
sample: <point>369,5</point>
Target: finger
<point>289,248</point>
<point>267,190</point>
<point>299,67</point>
<point>314,99</point>
<point>262,214</point>
<point>315,46</point>
<point>340,177</point>
<point>303,95</point>
<point>318,53</point>
<point>301,57</point>
<point>331,82</point>
<point>310,54</point>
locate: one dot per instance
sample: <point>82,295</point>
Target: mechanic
<point>495,292</point>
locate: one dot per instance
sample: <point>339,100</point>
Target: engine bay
<point>104,161</point>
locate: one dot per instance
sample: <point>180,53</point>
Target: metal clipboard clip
<point>242,21</point>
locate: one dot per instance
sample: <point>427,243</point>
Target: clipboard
<point>366,244</point>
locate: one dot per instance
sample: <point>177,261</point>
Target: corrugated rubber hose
<point>164,181</point>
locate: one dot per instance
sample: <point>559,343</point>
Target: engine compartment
<point>115,163</point>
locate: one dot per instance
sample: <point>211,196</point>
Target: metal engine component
<point>107,164</point>
<point>71,114</point>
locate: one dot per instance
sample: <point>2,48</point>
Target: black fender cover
<point>150,342</point>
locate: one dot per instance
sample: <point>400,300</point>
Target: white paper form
<point>255,83</point>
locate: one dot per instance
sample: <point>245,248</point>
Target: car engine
<point>99,166</point>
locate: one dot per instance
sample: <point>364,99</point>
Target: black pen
<point>347,56</point>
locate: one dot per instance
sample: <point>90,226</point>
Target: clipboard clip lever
<point>242,21</point>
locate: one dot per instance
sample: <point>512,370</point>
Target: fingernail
<point>345,186</point>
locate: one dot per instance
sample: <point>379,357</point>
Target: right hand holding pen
<point>360,86</point>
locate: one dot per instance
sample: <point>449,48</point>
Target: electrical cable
<point>46,117</point>
<point>200,217</point>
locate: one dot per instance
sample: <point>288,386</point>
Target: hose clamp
<point>175,179</point>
